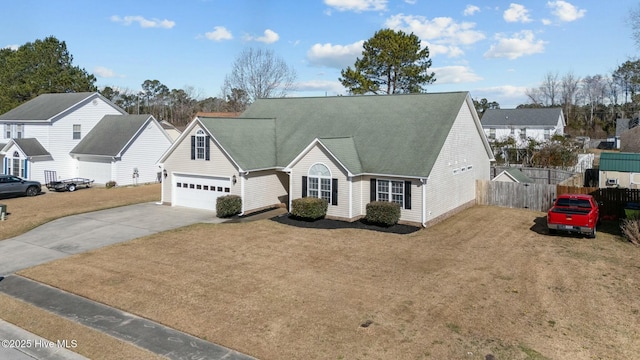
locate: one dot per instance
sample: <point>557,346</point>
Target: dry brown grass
<point>26,213</point>
<point>90,343</point>
<point>486,281</point>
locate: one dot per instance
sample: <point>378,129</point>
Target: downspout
<point>242,180</point>
<point>350,179</point>
<point>162,184</point>
<point>290,191</point>
<point>424,202</point>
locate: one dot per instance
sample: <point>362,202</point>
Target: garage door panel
<point>199,191</point>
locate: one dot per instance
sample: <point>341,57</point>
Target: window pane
<point>319,170</point>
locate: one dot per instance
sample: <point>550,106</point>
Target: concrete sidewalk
<point>143,333</point>
<point>79,233</point>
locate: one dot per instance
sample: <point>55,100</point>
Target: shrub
<point>228,205</point>
<point>383,213</point>
<point>309,208</point>
<point>110,184</point>
<point>631,230</point>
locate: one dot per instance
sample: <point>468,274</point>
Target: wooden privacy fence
<point>540,197</point>
<point>537,197</point>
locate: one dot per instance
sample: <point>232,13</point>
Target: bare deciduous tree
<point>569,86</point>
<point>261,74</point>
<point>550,88</point>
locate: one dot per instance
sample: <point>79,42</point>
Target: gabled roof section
<point>251,143</point>
<point>522,117</point>
<point>392,134</point>
<point>47,106</point>
<point>516,175</point>
<point>623,162</point>
<point>344,149</point>
<point>110,136</point>
<point>29,147</point>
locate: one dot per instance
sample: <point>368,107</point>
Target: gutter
<point>423,181</point>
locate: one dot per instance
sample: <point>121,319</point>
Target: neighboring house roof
<point>630,140</point>
<point>111,135</point>
<point>218,114</point>
<point>542,117</point>
<point>390,134</point>
<point>47,106</point>
<point>515,175</point>
<point>168,126</point>
<point>623,162</point>
<point>29,147</point>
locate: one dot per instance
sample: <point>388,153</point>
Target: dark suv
<point>13,185</point>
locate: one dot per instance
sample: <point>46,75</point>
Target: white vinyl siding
<point>265,188</point>
<point>96,168</point>
<point>462,148</point>
<point>180,161</point>
<point>142,154</point>
<point>318,155</point>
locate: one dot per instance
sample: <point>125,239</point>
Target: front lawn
<point>485,281</point>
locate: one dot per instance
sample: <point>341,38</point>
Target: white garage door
<point>199,191</point>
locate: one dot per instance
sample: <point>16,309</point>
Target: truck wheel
<point>71,187</point>
<point>553,231</point>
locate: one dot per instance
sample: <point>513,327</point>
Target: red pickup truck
<point>574,213</point>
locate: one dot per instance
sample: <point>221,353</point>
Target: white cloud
<point>520,44</point>
<point>357,5</point>
<point>411,2</point>
<point>443,34</point>
<point>12,47</point>
<point>471,10</point>
<point>455,75</point>
<point>269,37</point>
<point>565,11</point>
<point>219,33</point>
<point>104,72</point>
<point>516,13</point>
<point>334,56</point>
<point>145,23</point>
<point>508,96</point>
<point>546,22</point>
<point>320,86</point>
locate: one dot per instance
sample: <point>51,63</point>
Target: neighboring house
<point>630,140</point>
<point>622,126</point>
<point>523,124</point>
<point>171,130</point>
<point>513,175</point>
<point>618,169</point>
<point>122,148</point>
<point>41,132</point>
<point>422,151</point>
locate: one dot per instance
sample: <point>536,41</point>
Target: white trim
<point>424,202</point>
<point>308,148</point>
<point>350,180</point>
<point>242,198</point>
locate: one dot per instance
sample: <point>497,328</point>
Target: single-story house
<point>122,148</point>
<point>618,169</point>
<point>539,124</point>
<point>513,175</point>
<point>422,151</point>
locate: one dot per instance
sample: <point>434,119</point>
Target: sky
<point>493,49</point>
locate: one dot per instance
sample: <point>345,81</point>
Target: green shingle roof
<point>31,147</point>
<point>46,106</point>
<point>250,142</point>
<point>391,134</point>
<point>518,175</point>
<point>111,135</point>
<point>344,149</point>
<point>623,162</point>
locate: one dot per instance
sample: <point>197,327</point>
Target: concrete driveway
<point>79,233</point>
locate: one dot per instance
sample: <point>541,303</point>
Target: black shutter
<point>372,190</point>
<point>407,194</point>
<point>334,191</point>
<point>193,147</point>
<point>206,147</point>
<point>304,186</point>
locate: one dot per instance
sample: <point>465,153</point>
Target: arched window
<point>319,182</point>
